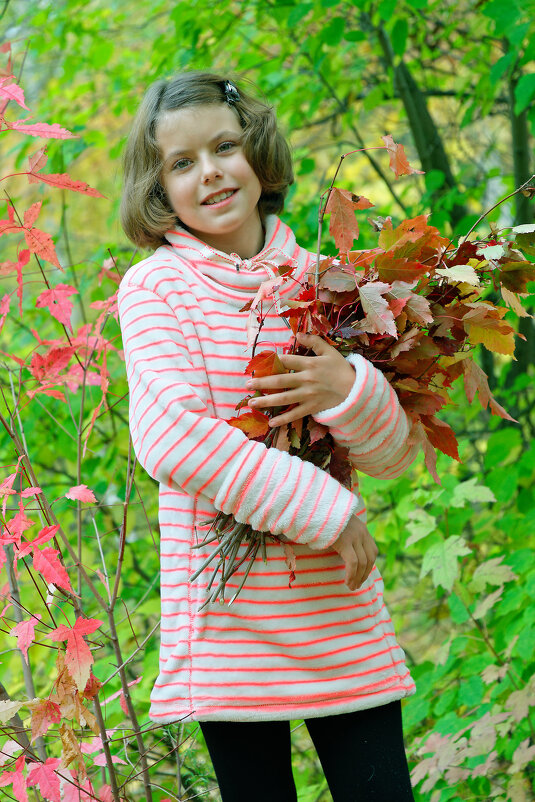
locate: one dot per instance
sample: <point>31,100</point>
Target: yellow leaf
<point>493,334</point>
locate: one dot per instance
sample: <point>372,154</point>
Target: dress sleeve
<point>372,424</point>
<point>181,445</point>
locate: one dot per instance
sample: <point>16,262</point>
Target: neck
<point>246,242</point>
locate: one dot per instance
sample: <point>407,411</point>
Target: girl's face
<point>209,183</point>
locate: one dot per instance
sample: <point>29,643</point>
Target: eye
<point>223,146</point>
<point>181,164</point>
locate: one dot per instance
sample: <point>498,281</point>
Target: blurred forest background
<point>454,81</point>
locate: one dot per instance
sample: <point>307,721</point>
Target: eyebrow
<point>219,135</point>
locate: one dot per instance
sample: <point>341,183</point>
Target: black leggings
<point>361,753</point>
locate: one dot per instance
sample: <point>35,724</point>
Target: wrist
<point>344,385</point>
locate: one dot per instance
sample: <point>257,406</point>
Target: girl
<point>205,175</point>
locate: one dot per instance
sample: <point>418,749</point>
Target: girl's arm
<point>368,419</point>
<point>180,445</point>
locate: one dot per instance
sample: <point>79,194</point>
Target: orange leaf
<point>266,363</point>
<point>392,269</point>
<point>475,381</point>
<point>515,275</point>
<point>253,423</point>
<point>441,436</point>
<point>343,224</point>
<point>398,159</point>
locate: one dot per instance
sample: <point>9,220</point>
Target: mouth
<point>218,197</point>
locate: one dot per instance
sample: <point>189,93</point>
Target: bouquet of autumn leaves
<point>414,306</point>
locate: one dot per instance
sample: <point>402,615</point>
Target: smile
<point>220,197</point>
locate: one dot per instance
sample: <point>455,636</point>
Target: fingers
<point>314,341</point>
<point>280,381</point>
<point>359,552</point>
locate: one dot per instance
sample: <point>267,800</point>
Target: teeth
<point>220,197</point>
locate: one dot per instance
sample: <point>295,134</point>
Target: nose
<point>210,169</point>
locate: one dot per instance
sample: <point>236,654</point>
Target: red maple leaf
<point>47,562</point>
<point>343,224</point>
<point>9,225</point>
<point>12,92</point>
<point>78,658</point>
<point>17,779</point>
<point>44,775</point>
<point>44,714</point>
<point>45,367</point>
<point>43,130</point>
<point>43,536</point>
<point>398,159</point>
<point>78,791</point>
<point>57,301</point>
<point>24,632</point>
<point>60,180</point>
<point>40,243</point>
<point>16,526</point>
<point>4,309</point>
<point>31,214</point>
<point>80,493</point>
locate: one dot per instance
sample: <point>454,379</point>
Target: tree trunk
<point>425,133</point>
<point>525,349</point>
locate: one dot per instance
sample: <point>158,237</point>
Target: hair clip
<point>231,93</point>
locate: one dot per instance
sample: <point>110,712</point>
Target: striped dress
<point>278,651</point>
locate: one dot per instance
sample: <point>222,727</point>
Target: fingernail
<point>249,384</point>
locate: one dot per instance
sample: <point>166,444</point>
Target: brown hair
<point>145,211</point>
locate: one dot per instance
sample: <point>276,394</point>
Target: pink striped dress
<point>277,652</point>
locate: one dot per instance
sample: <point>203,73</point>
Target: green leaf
<point>498,69</point>
<point>503,13</point>
<point>524,92</point>
<point>355,36</point>
<point>525,645</point>
<point>386,9</point>
<point>471,691</point>
<point>434,179</point>
<point>399,34</point>
<point>441,561</point>
<point>459,613</point>
<point>503,447</point>
<point>472,492</point>
<point>298,13</point>
<point>420,525</point>
<point>446,701</point>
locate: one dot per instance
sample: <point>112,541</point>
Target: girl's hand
<point>315,384</point>
<point>357,549</point>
